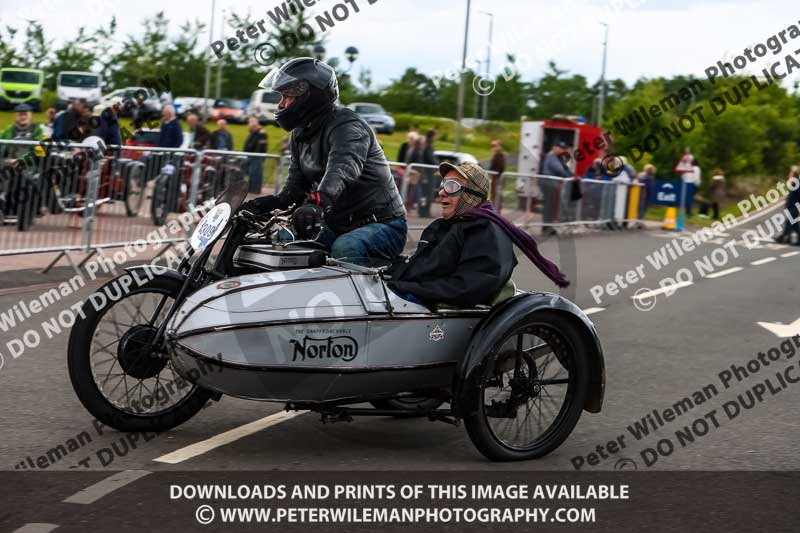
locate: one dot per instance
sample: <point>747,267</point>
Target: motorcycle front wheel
<point>117,374</point>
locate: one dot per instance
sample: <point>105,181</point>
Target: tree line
<point>754,135</point>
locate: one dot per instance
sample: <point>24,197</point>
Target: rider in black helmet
<point>338,171</point>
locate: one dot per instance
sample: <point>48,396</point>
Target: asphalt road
<point>654,359</point>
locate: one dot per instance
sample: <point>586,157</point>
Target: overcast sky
<point>646,38</point>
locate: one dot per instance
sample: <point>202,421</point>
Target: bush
<point>48,99</point>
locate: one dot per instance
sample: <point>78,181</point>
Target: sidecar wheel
<point>118,378</point>
<point>533,389</point>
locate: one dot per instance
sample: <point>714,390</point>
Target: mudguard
<point>490,331</point>
<point>156,270</point>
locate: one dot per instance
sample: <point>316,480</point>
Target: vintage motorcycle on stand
<point>282,322</point>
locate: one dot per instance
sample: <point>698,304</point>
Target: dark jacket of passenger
<point>459,262</point>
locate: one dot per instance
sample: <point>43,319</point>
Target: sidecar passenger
<point>465,258</point>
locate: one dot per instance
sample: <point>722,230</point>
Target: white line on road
<point>199,448</point>
<point>91,494</point>
<point>662,290</point>
<point>724,272</point>
<point>36,528</point>
<point>593,310</point>
<point>790,254</point>
<point>764,261</point>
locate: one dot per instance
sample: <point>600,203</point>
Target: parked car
<point>143,137</point>
<point>455,158</point>
<point>72,86</point>
<point>189,104</point>
<point>21,85</point>
<point>144,98</point>
<point>375,116</point>
<point>263,105</point>
<point>230,109</point>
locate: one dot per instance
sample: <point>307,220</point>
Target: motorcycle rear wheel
<point>130,362</point>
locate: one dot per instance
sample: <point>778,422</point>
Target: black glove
<point>264,204</point>
<point>307,219</point>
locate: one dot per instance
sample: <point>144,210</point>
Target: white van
<point>263,105</point>
<point>72,86</point>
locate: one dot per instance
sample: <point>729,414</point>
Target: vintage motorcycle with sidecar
<point>264,318</point>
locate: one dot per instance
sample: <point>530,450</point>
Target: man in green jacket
<point>23,127</point>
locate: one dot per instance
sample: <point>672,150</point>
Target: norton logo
<point>437,334</point>
<point>342,347</point>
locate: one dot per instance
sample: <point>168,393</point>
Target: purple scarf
<point>524,241</point>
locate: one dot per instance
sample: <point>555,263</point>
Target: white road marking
<point>199,448</point>
<point>724,272</point>
<point>782,330</point>
<point>36,528</point>
<point>790,254</point>
<point>764,261</point>
<point>662,290</point>
<point>593,310</point>
<point>93,493</point>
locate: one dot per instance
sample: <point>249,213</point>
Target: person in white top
<point>692,181</point>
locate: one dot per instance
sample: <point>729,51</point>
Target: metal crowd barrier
<point>548,201</point>
<point>66,198</point>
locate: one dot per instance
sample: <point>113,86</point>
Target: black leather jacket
<point>338,155</point>
<point>458,262</point>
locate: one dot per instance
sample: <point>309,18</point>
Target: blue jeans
<point>374,241</point>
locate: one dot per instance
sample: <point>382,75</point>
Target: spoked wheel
<point>116,372</point>
<point>159,208</point>
<point>134,189</point>
<point>533,389</point>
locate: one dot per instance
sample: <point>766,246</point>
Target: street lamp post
<point>488,63</point>
<point>208,60</point>
<point>218,92</point>
<point>477,96</point>
<point>351,53</point>
<point>460,105</point>
<point>602,102</point>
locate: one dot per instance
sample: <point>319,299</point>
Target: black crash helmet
<point>296,76</point>
<point>311,82</point>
